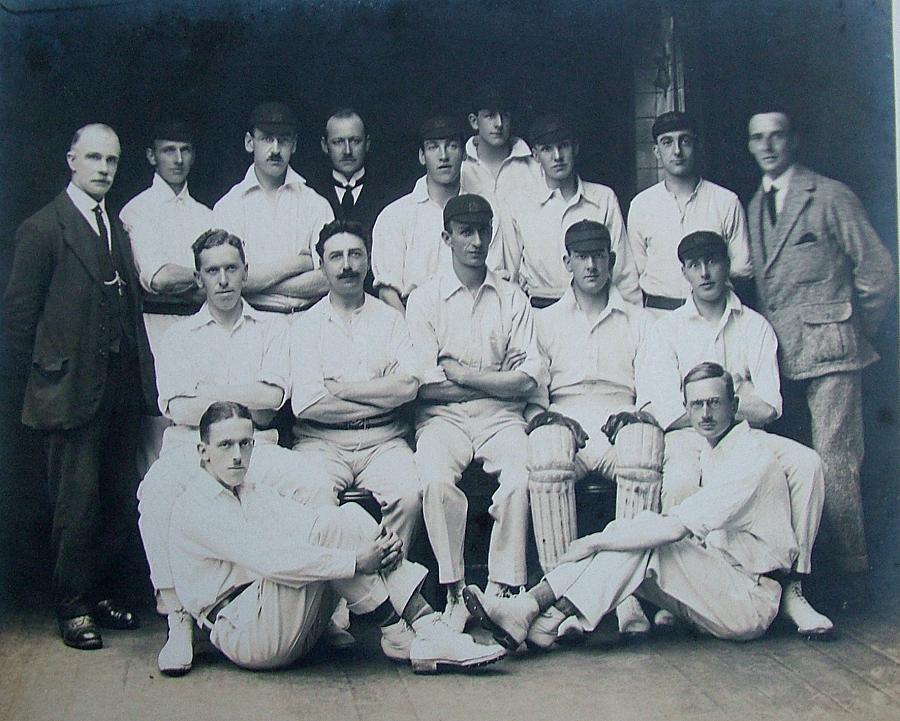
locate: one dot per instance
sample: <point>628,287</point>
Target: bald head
<point>93,158</point>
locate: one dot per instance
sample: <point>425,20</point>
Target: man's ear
<point>612,260</point>
<point>473,121</point>
<point>567,261</point>
<point>421,157</point>
<point>151,157</point>
<point>445,236</point>
<point>197,279</point>
<point>324,143</point>
<point>248,142</point>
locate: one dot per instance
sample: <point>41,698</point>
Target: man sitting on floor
<point>260,571</point>
<point>706,559</point>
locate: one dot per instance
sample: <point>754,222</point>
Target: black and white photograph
<point>448,360</point>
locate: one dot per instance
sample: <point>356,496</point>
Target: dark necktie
<point>101,227</point>
<point>770,204</point>
<point>104,236</point>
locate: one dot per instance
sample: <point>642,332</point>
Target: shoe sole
<point>501,635</point>
<point>435,665</point>
<point>92,646</point>
<point>175,672</point>
<point>821,636</point>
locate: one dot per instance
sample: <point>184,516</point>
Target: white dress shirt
<point>162,226</point>
<point>534,255</point>
<point>218,542</point>
<point>743,507</point>
<point>657,221</point>
<point>741,341</point>
<point>86,204</point>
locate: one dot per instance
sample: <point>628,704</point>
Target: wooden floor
<point>780,676</point>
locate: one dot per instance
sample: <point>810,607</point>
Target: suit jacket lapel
<point>78,234</point>
<point>799,194</point>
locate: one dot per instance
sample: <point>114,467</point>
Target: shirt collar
<point>352,181</point>
<point>732,305</point>
<point>579,191</point>
<point>209,487</point>
<point>203,317</point>
<point>693,192</point>
<point>781,182</point>
<point>518,148</point>
<point>84,202</point>
<point>450,283</point>
<point>615,303</point>
<point>734,436</point>
<point>332,314</point>
<point>164,191</point>
<point>420,190</point>
<point>292,179</point>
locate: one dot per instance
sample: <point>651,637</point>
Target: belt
<point>213,613</point>
<point>662,302</point>
<point>538,302</point>
<point>361,424</point>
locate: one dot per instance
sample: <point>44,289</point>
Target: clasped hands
<point>384,554</point>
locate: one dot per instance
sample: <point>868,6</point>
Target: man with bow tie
<point>350,188</point>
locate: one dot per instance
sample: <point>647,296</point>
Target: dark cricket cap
<point>587,235</point>
<point>701,243</point>
<point>490,97</point>
<point>442,126</point>
<point>467,208</point>
<point>672,121</point>
<point>550,129</point>
<point>177,130</point>
<point>273,117</point>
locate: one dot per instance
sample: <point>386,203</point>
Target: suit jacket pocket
<point>809,257</point>
<point>52,369</point>
<point>828,333</point>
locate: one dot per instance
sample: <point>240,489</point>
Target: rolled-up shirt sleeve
<point>307,373</point>
<point>275,368</point>
<point>523,337</point>
<point>421,313</point>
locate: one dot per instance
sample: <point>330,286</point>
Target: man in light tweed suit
<point>824,280</point>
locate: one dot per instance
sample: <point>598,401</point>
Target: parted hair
<point>220,411</point>
<point>338,226</point>
<point>213,238</point>
<point>702,371</point>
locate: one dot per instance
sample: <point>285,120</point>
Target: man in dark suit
<point>73,315</point>
<point>349,188</point>
<point>824,281</point>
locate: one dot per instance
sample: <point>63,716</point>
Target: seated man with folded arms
<point>407,248</point>
<point>226,351</point>
<point>713,325</point>
<point>474,337</point>
<point>352,367</point>
<point>589,341</point>
<point>706,559</point>
<point>261,571</point>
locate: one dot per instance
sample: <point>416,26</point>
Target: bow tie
<point>348,186</point>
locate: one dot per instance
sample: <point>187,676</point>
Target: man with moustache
<point>479,361</point>
<point>72,314</point>
<point>682,202</point>
<point>261,572</point>
<point>706,560</point>
<point>277,215</point>
<point>352,368</point>
<point>406,240</point>
<point>350,188</point>
<point>824,280</point>
<point>162,222</point>
<point>714,326</point>
<point>227,351</point>
<point>533,254</point>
